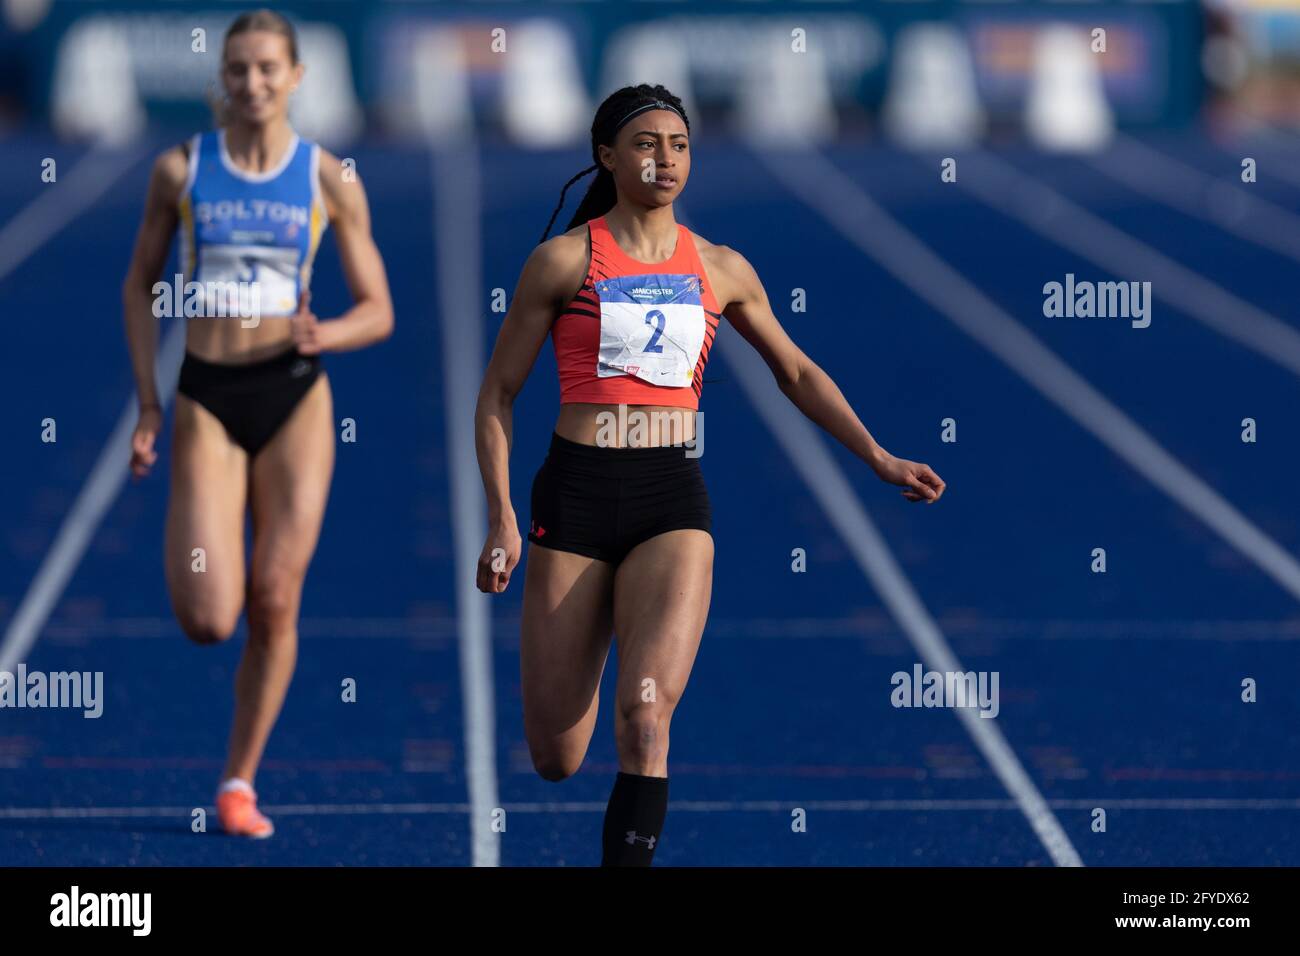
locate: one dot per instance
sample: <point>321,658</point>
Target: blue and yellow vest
<point>254,228</point>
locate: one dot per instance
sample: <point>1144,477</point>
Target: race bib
<point>266,276</point>
<point>651,327</point>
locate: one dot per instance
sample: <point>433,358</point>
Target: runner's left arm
<point>370,319</point>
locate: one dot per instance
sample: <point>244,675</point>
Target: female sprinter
<point>254,416</point>
<point>621,530</point>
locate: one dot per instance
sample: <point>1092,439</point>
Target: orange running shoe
<point>239,816</point>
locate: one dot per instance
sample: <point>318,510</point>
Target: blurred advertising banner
<point>531,73</point>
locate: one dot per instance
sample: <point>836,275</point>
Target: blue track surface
<point>1119,691</point>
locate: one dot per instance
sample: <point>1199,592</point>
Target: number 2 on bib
<point>651,327</point>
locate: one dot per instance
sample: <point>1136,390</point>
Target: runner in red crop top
<point>619,519</point>
<point>639,342</point>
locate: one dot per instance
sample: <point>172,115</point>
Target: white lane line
<point>1201,196</point>
<point>840,502</point>
<point>820,472</point>
<point>110,470</point>
<point>1044,210</point>
<point>861,221</point>
<point>455,185</point>
<point>1277,160</point>
<point>436,630</point>
<point>685,806</point>
<point>60,202</point>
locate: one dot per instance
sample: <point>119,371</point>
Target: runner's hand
<point>305,326</point>
<point>146,431</point>
<point>920,481</point>
<point>501,553</point>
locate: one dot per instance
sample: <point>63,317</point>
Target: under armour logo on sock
<point>633,839</point>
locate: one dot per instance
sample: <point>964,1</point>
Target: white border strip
<point>455,184</point>
<point>846,206</point>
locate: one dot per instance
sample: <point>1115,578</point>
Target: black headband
<point>653,105</point>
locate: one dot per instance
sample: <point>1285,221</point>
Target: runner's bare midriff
<point>226,341</point>
<point>635,426</point>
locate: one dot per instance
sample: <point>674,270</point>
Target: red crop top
<point>637,333</point>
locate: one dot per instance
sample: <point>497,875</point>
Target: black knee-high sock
<point>634,819</point>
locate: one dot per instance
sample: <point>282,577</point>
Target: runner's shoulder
<point>560,262</point>
<point>732,275</point>
<point>720,257</point>
<point>342,190</point>
<point>171,168</point>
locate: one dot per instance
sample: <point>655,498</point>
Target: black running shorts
<point>603,502</point>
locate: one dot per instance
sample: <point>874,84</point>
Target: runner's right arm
<point>152,243</point>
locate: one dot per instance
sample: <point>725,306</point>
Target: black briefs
<point>252,400</point>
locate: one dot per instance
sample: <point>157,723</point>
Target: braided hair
<point>613,112</point>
